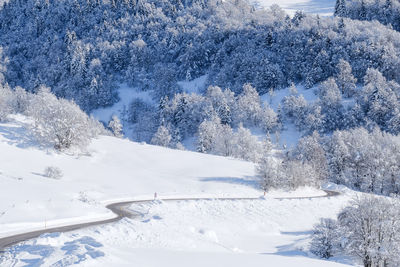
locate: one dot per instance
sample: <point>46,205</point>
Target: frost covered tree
<point>371,228</point>
<point>331,106</point>
<point>340,8</point>
<point>223,102</point>
<point>270,173</point>
<point>53,172</point>
<point>269,120</point>
<point>345,79</point>
<point>115,126</point>
<point>216,138</point>
<point>59,122</point>
<point>325,238</point>
<point>5,102</point>
<point>285,173</point>
<point>295,108</point>
<point>314,120</point>
<point>364,161</point>
<point>162,137</point>
<point>298,174</point>
<point>246,146</point>
<point>384,11</point>
<point>310,150</point>
<point>379,98</point>
<point>20,101</point>
<point>248,109</point>
<point>394,122</point>
<point>207,134</point>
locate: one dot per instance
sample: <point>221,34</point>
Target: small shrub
<point>53,172</point>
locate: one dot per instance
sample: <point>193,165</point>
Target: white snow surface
<point>320,7</point>
<point>264,232</point>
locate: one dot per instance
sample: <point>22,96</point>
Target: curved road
<point>119,209</point>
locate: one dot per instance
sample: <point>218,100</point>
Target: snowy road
<point>120,210</point>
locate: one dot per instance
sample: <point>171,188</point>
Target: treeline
<point>386,12</point>
<point>361,160</point>
<point>82,49</point>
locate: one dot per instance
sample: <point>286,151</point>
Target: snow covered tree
<point>217,138</point>
<point>248,109</point>
<point>269,119</point>
<point>340,8</point>
<point>378,98</point>
<point>394,122</point>
<point>314,120</point>
<point>295,108</point>
<point>310,150</point>
<point>20,100</point>
<point>270,173</point>
<point>345,79</point>
<point>206,135</point>
<point>246,146</point>
<point>59,122</point>
<point>222,103</point>
<point>162,137</point>
<point>371,228</point>
<point>297,174</point>
<point>285,173</point>
<point>331,106</point>
<point>324,242</point>
<point>224,143</point>
<point>115,126</point>
<point>5,102</point>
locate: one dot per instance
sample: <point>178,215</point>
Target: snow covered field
<point>191,233</point>
<point>321,7</point>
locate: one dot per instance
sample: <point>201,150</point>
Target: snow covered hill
<point>111,169</point>
<point>215,233</point>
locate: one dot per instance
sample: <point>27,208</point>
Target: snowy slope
<point>194,233</point>
<point>111,169</point>
<point>321,7</point>
<point>212,233</point>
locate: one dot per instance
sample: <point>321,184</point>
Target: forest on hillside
<point>81,51</point>
<point>61,59</point>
